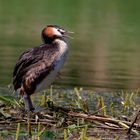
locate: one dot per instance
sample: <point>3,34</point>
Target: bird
<point>37,67</point>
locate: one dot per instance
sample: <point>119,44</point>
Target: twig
<point>132,124</point>
<point>123,124</point>
<point>112,128</point>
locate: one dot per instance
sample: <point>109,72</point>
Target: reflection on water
<point>104,53</point>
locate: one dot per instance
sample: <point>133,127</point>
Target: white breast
<point>63,51</point>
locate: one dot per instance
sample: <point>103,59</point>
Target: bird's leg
<point>28,102</point>
<point>29,107</point>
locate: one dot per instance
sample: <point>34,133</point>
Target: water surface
<point>104,53</point>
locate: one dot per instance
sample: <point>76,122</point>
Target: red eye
<point>61,31</point>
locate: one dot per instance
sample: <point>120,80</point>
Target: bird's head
<point>52,32</point>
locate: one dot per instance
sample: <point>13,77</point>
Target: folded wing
<point>33,66</point>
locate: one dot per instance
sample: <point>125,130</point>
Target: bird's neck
<point>50,40</point>
<point>63,47</point>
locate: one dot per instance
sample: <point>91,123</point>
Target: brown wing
<point>33,66</point>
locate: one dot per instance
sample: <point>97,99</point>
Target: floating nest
<point>62,122</point>
<point>78,121</point>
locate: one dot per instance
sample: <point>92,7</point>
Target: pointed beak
<point>68,34</point>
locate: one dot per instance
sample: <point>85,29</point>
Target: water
<point>104,53</point>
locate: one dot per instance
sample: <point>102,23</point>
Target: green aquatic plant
<point>83,135</point>
<point>80,102</point>
<point>101,105</point>
<point>49,134</point>
<point>8,101</point>
<point>128,100</point>
<point>74,120</point>
<point>18,131</point>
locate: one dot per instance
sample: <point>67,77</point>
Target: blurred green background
<point>105,51</point>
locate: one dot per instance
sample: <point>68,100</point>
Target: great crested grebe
<point>37,67</point>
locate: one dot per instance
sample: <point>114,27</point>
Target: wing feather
<point>33,65</point>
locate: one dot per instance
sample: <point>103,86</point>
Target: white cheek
<point>56,32</point>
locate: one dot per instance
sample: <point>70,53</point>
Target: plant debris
<point>76,121</point>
